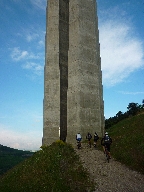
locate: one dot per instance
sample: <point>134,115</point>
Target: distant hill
<point>55,168</point>
<point>10,157</point>
<point>128,141</point>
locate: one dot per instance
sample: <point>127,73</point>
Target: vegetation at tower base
<point>54,168</point>
<point>128,141</point>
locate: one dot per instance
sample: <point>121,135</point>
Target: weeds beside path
<point>112,176</point>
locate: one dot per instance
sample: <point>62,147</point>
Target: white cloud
<point>36,68</point>
<point>18,55</point>
<point>25,141</point>
<point>31,37</point>
<point>131,93</point>
<point>41,43</point>
<point>121,51</point>
<point>41,4</point>
<point>29,60</point>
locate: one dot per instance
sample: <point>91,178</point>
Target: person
<point>96,137</point>
<point>78,138</point>
<point>106,141</point>
<point>89,138</point>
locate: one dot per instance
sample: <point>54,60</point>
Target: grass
<point>128,142</point>
<point>56,168</point>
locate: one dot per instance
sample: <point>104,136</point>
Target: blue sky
<point>22,33</point>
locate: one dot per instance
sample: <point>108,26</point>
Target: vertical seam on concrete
<point>63,63</point>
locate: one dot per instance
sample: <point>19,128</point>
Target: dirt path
<point>112,176</point>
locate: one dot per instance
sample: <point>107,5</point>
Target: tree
<point>119,115</point>
<point>133,108</point>
<point>143,103</point>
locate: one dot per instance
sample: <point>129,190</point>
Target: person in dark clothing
<point>89,136</point>
<point>96,137</point>
<point>106,141</point>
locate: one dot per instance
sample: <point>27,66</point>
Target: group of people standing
<point>105,141</point>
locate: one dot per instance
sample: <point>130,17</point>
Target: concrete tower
<point>73,93</point>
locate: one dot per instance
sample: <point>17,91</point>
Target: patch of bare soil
<point>112,176</point>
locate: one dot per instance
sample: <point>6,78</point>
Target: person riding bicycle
<point>78,137</point>
<point>89,136</point>
<point>106,141</point>
<point>96,137</point>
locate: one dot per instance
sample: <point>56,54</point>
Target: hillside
<point>10,157</point>
<point>113,176</point>
<point>125,172</point>
<point>55,168</point>
<point>58,168</point>
<point>128,142</point>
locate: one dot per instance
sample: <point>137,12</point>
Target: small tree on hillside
<point>143,103</point>
<point>119,115</point>
<point>133,108</point>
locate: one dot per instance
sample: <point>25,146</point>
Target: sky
<point>22,57</point>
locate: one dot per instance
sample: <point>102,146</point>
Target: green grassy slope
<point>55,168</point>
<point>10,157</point>
<point>128,142</point>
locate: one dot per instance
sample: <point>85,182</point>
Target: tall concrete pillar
<point>56,71</point>
<point>51,105</point>
<point>73,92</point>
<point>85,95</point>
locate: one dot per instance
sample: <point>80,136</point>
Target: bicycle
<point>107,154</point>
<point>89,143</point>
<point>95,145</point>
<point>89,139</point>
<point>78,144</point>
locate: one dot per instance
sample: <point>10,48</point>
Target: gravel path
<point>112,176</point>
